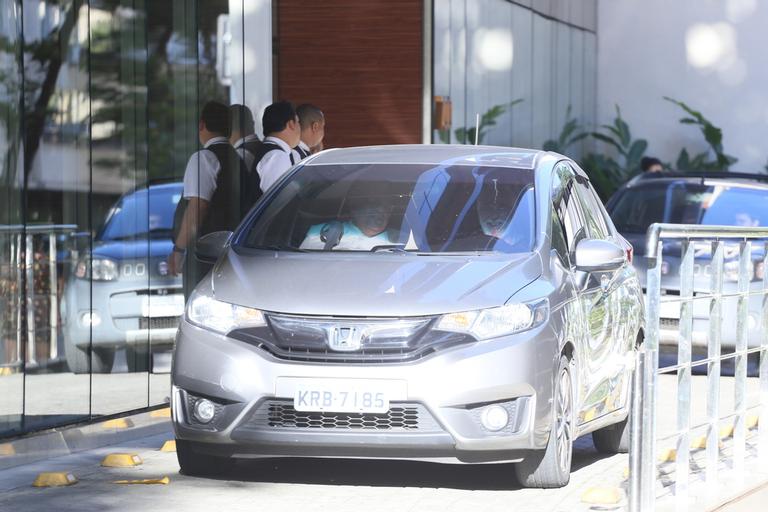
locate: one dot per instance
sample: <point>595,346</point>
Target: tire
<point>137,359</point>
<point>192,463</point>
<point>551,467</point>
<point>101,360</point>
<point>613,438</point>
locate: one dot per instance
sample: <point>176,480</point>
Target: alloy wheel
<point>564,420</point>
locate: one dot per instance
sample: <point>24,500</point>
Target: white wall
<point>711,54</point>
<point>251,55</point>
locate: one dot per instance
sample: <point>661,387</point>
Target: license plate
<point>154,306</point>
<point>341,395</point>
<point>322,400</point>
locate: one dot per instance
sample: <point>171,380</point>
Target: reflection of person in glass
<point>744,219</point>
<point>366,228</point>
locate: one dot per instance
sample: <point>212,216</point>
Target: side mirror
<point>211,246</point>
<point>599,256</point>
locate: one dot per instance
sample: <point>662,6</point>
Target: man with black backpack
<point>275,156</point>
<point>216,194</point>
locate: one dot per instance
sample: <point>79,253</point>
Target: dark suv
<point>724,199</point>
<point>120,296</point>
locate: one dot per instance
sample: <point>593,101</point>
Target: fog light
<point>90,319</point>
<point>494,418</point>
<point>204,410</point>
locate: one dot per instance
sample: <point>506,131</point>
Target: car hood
<point>371,285</point>
<point>133,249</point>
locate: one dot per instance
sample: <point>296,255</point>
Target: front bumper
<point>445,394</point>
<point>130,313</point>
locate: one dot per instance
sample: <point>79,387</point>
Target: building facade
<point>99,100</point>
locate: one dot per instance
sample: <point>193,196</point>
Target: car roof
<point>431,154</point>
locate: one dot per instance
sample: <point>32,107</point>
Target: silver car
<point>443,303</point>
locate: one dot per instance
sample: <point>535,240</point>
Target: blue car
<point>120,295</point>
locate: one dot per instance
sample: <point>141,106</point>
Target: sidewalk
<point>757,499</point>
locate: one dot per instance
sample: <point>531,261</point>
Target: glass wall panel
<point>121,213</point>
<point>543,80</point>
<point>522,76</point>
<point>577,86</point>
<point>561,92</point>
<point>58,179</point>
<point>590,86</point>
<point>11,235</point>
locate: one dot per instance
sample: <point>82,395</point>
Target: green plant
<point>569,135</point>
<point>714,137</point>
<point>608,173</point>
<point>466,135</point>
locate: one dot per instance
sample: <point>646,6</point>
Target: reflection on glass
<point>56,101</point>
<point>11,350</point>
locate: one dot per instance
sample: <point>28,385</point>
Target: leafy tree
<point>569,135</point>
<point>466,135</point>
<point>608,173</point>
<point>714,137</point>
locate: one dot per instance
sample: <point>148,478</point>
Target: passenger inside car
<point>365,229</point>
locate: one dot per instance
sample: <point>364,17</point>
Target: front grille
<point>401,417</point>
<point>163,322</point>
<point>380,341</point>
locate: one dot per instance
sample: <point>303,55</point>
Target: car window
<point>418,208</point>
<point>574,224</point>
<point>142,213</point>
<point>680,202</point>
<point>561,177</point>
<point>593,211</point>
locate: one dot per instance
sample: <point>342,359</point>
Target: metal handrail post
<point>17,238</point>
<point>684,341</point>
<point>762,425</point>
<point>713,370</point>
<point>645,445</point>
<point>636,438</point>
<point>740,373</point>
<point>29,262</point>
<point>53,284</point>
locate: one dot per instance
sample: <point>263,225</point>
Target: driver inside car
<point>498,218</point>
<point>365,229</point>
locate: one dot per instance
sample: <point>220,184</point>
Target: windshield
<point>690,203</point>
<point>400,207</point>
<point>134,217</point>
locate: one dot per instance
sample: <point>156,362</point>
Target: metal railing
<point>31,248</point>
<point>645,412</point>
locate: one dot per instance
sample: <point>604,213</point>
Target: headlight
<point>494,322</point>
<point>98,269</point>
<point>221,317</point>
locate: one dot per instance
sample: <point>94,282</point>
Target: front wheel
<point>551,467</point>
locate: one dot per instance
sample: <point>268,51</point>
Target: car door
<point>600,296</point>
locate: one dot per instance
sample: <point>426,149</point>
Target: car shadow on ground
<point>392,473</point>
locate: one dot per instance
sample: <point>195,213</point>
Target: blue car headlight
<point>97,268</point>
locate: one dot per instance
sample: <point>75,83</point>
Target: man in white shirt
<point>282,134</point>
<point>242,136</point>
<point>214,197</point>
<point>312,123</point>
